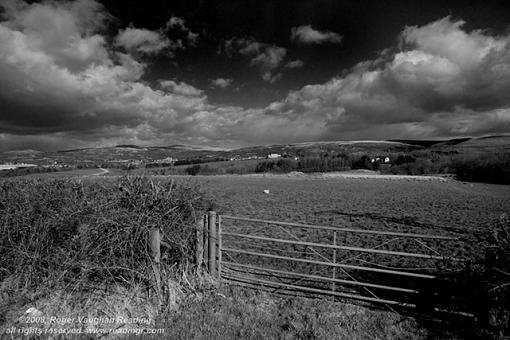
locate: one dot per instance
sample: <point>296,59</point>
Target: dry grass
<point>237,313</point>
<point>78,248</point>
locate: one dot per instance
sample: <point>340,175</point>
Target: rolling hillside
<point>119,153</point>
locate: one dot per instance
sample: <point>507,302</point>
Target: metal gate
<point>314,260</point>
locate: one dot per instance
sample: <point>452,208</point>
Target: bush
<point>498,272</point>
<point>487,169</point>
<point>66,232</point>
<point>306,164</point>
<point>364,162</point>
<point>402,159</point>
<point>193,170</point>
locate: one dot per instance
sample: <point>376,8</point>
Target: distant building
<point>380,159</point>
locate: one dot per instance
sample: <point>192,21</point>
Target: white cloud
<point>143,40</point>
<point>270,58</point>
<point>264,56</point>
<point>221,82</point>
<point>180,88</point>
<point>295,64</point>
<point>153,42</point>
<point>177,22</point>
<point>104,99</point>
<point>444,82</point>
<point>308,35</point>
<point>271,78</point>
<point>68,35</point>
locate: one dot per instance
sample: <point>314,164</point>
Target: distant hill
<point>429,143</point>
<point>489,141</point>
<point>488,144</point>
<point>127,152</point>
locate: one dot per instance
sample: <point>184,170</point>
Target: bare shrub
<point>68,233</point>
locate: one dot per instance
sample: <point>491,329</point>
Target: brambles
<point>498,272</point>
<point>71,233</point>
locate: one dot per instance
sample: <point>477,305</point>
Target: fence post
<point>212,243</point>
<point>155,245</point>
<point>218,265</point>
<point>205,241</point>
<point>199,256</point>
<point>334,260</point>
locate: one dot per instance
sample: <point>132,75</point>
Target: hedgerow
<point>69,233</point>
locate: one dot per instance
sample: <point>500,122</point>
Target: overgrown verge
<point>69,243</point>
<point>237,313</point>
<point>489,279</point>
<point>497,277</point>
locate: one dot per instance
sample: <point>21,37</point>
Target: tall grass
<point>498,276</point>
<point>64,233</point>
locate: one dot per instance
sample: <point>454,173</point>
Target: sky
<point>93,73</point>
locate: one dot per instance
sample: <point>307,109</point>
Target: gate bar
<point>318,277</point>
<point>320,291</point>
<point>351,230</point>
<point>347,266</point>
<point>362,250</point>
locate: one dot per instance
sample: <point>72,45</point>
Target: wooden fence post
<point>205,242</point>
<point>218,265</point>
<point>199,256</point>
<point>212,243</point>
<point>334,260</point>
<point>155,246</point>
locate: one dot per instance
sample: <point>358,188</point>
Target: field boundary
<point>391,287</point>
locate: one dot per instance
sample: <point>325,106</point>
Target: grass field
<point>450,204</point>
<point>434,207</point>
<point>408,205</point>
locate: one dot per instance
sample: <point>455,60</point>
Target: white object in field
<point>266,192</point>
<point>33,312</point>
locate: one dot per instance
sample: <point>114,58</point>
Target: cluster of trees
<point>234,168</point>
<point>200,160</point>
<point>26,171</point>
<point>488,169</point>
<point>307,164</point>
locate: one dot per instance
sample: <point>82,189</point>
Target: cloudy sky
<point>236,73</point>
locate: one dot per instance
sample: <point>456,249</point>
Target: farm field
<point>432,207</point>
<point>440,205</point>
